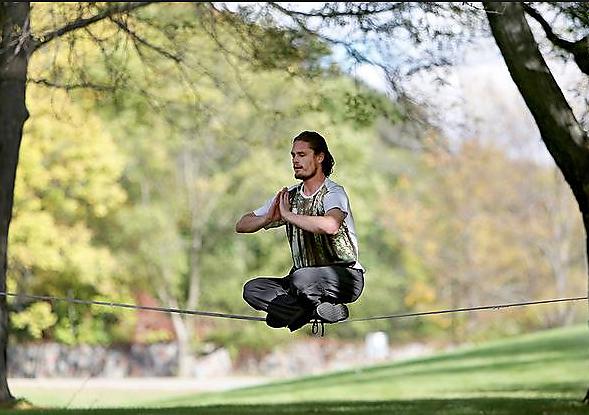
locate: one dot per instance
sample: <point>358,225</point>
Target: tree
<point>18,44</point>
<point>564,136</point>
<point>485,231</point>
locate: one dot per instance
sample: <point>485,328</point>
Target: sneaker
<point>332,313</point>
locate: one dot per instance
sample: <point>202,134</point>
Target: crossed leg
<point>291,301</point>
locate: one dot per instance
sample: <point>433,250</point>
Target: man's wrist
<point>267,222</point>
<point>288,216</point>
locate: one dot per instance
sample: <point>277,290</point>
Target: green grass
<point>541,373</point>
<point>483,406</point>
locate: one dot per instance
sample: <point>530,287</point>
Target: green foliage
<point>67,185</point>
<point>138,191</point>
<point>270,46</point>
<point>35,319</point>
<point>466,219</point>
<point>353,103</point>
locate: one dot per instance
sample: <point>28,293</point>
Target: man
<point>322,237</point>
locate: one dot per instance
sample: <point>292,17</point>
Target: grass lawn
<point>543,373</point>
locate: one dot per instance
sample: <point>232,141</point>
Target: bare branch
<point>328,12</point>
<point>114,71</point>
<point>561,43</point>
<point>579,49</point>
<point>125,28</point>
<point>296,17</point>
<point>71,87</point>
<point>81,23</point>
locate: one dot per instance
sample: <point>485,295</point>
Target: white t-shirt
<point>318,249</point>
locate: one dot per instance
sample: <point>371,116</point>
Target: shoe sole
<point>332,313</point>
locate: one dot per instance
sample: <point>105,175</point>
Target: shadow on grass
<point>416,371</point>
<point>525,351</point>
<point>490,406</point>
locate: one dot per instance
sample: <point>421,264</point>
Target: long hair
<point>318,145</point>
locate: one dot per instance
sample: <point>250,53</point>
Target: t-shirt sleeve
<point>336,198</point>
<point>263,210</point>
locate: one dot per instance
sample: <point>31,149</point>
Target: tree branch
<point>81,23</point>
<point>362,10</point>
<point>70,87</point>
<point>297,18</point>
<point>144,42</point>
<point>579,49</point>
<point>561,43</point>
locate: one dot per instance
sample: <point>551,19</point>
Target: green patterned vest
<point>309,249</point>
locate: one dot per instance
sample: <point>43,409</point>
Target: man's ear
<point>321,157</point>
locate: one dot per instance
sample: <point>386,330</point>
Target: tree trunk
<point>183,330</point>
<point>191,167</point>
<point>586,222</point>
<point>564,137</point>
<point>561,132</point>
<point>183,337</point>
<point>14,57</point>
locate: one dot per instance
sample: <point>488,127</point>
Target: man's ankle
<point>300,320</point>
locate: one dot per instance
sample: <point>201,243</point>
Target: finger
<point>283,201</point>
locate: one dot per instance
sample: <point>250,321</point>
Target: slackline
<point>460,310</point>
<point>133,306</point>
<point>254,318</point>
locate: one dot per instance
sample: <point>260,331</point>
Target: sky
<point>482,101</point>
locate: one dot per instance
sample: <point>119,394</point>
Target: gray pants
<point>290,301</point>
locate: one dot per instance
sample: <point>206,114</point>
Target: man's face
<point>305,162</point>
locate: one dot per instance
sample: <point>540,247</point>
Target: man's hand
<point>284,205</point>
<point>250,223</point>
<point>274,213</point>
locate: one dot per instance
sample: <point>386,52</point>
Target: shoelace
<point>315,327</point>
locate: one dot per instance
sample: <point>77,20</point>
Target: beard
<point>301,175</point>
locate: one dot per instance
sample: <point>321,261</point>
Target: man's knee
<point>250,288</point>
<point>257,289</point>
<point>303,278</point>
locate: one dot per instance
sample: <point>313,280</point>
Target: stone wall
<point>303,357</point>
<point>58,360</point>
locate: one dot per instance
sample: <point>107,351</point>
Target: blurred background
<point>151,134</point>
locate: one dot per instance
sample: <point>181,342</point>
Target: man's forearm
<point>315,224</point>
<point>250,223</point>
